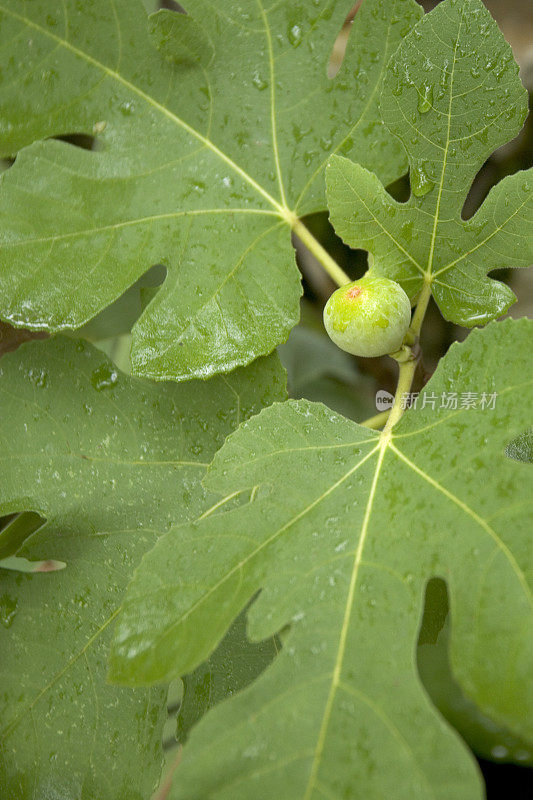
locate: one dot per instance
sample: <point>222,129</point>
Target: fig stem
<point>421,308</point>
<point>329,264</point>
<point>405,379</point>
<point>405,353</point>
<point>377,421</point>
<point>407,368</point>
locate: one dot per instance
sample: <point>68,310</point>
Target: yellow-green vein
<point>273,103</point>
<point>473,515</point>
<point>339,661</point>
<point>14,722</point>
<point>444,158</point>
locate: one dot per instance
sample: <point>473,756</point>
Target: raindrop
<point>500,751</point>
<point>99,127</point>
<point>8,610</point>
<point>295,35</point>
<point>259,82</point>
<point>104,377</point>
<point>38,377</point>
<point>407,230</point>
<point>421,184</point>
<point>127,108</point>
<point>425,98</point>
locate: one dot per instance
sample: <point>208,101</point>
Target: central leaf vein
<point>339,661</point>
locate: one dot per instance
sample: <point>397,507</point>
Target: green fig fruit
<point>368,317</point>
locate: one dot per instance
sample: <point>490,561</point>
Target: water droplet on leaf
<point>259,82</point>
<point>425,98</point>
<point>295,35</point>
<point>421,184</point>
<point>8,610</point>
<point>104,377</point>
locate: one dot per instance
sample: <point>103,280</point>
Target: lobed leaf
<point>342,535</point>
<point>451,95</point>
<point>111,462</point>
<point>208,151</point>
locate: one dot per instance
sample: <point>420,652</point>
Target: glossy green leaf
<point>111,462</point>
<point>206,156</point>
<point>341,533</point>
<point>452,95</point>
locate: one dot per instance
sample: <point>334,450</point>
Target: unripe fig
<point>368,317</point>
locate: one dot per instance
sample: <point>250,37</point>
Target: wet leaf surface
<point>110,462</point>
<point>341,537</point>
<point>452,96</point>
<point>208,145</point>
